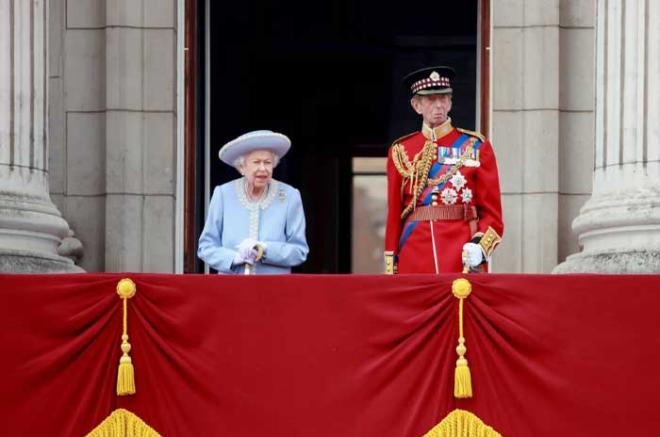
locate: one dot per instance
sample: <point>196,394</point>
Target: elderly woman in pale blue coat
<point>255,224</point>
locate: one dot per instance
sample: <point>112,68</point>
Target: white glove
<point>239,260</point>
<point>474,254</point>
<point>246,251</point>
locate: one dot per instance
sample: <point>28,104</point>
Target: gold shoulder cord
<point>417,171</point>
<point>401,161</point>
<point>410,171</point>
<point>473,133</point>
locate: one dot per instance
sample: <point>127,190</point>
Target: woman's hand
<point>246,251</point>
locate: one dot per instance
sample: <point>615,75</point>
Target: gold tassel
<point>462,376</point>
<point>462,423</point>
<point>461,288</point>
<point>123,423</point>
<point>126,374</point>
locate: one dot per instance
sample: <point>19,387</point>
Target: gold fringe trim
<point>126,373</point>
<point>461,289</point>
<point>123,423</point>
<point>462,423</point>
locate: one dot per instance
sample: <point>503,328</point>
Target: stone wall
<point>543,83</point>
<point>113,129</point>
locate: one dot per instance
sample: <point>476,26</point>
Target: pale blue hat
<point>278,143</point>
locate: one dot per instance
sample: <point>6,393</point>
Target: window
<point>369,214</point>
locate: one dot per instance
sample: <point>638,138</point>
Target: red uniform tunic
<point>465,174</point>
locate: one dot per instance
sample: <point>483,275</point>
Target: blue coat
<point>278,220</point>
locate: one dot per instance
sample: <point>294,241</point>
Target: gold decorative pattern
<point>401,161</point>
<point>461,288</point>
<point>389,262</point>
<point>489,241</point>
<point>123,423</point>
<point>437,132</point>
<point>462,423</point>
<point>126,288</point>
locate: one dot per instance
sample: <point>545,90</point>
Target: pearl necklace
<point>248,195</point>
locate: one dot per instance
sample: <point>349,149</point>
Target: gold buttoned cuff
<point>390,268</point>
<point>489,241</point>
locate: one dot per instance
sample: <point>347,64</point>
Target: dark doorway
<point>327,74</point>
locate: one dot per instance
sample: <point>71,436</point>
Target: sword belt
<point>446,212</point>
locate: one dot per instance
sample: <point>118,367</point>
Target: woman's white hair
<point>240,161</point>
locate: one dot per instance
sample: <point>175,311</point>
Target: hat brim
<point>428,92</point>
<point>277,143</point>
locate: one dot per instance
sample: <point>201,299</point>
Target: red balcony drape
<point>331,355</point>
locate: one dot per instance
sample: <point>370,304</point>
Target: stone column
<point>31,227</point>
<point>526,117</point>
<point>619,227</point>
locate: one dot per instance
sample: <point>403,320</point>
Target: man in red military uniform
<point>444,209</point>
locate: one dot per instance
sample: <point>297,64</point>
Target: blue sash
<point>435,169</point>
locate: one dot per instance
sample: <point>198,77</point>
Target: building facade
<point>116,145</point>
<point>113,129</point>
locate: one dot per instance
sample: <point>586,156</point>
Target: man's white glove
<point>246,251</point>
<point>474,256</point>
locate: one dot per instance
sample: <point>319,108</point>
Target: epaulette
<point>405,137</point>
<point>473,134</point>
